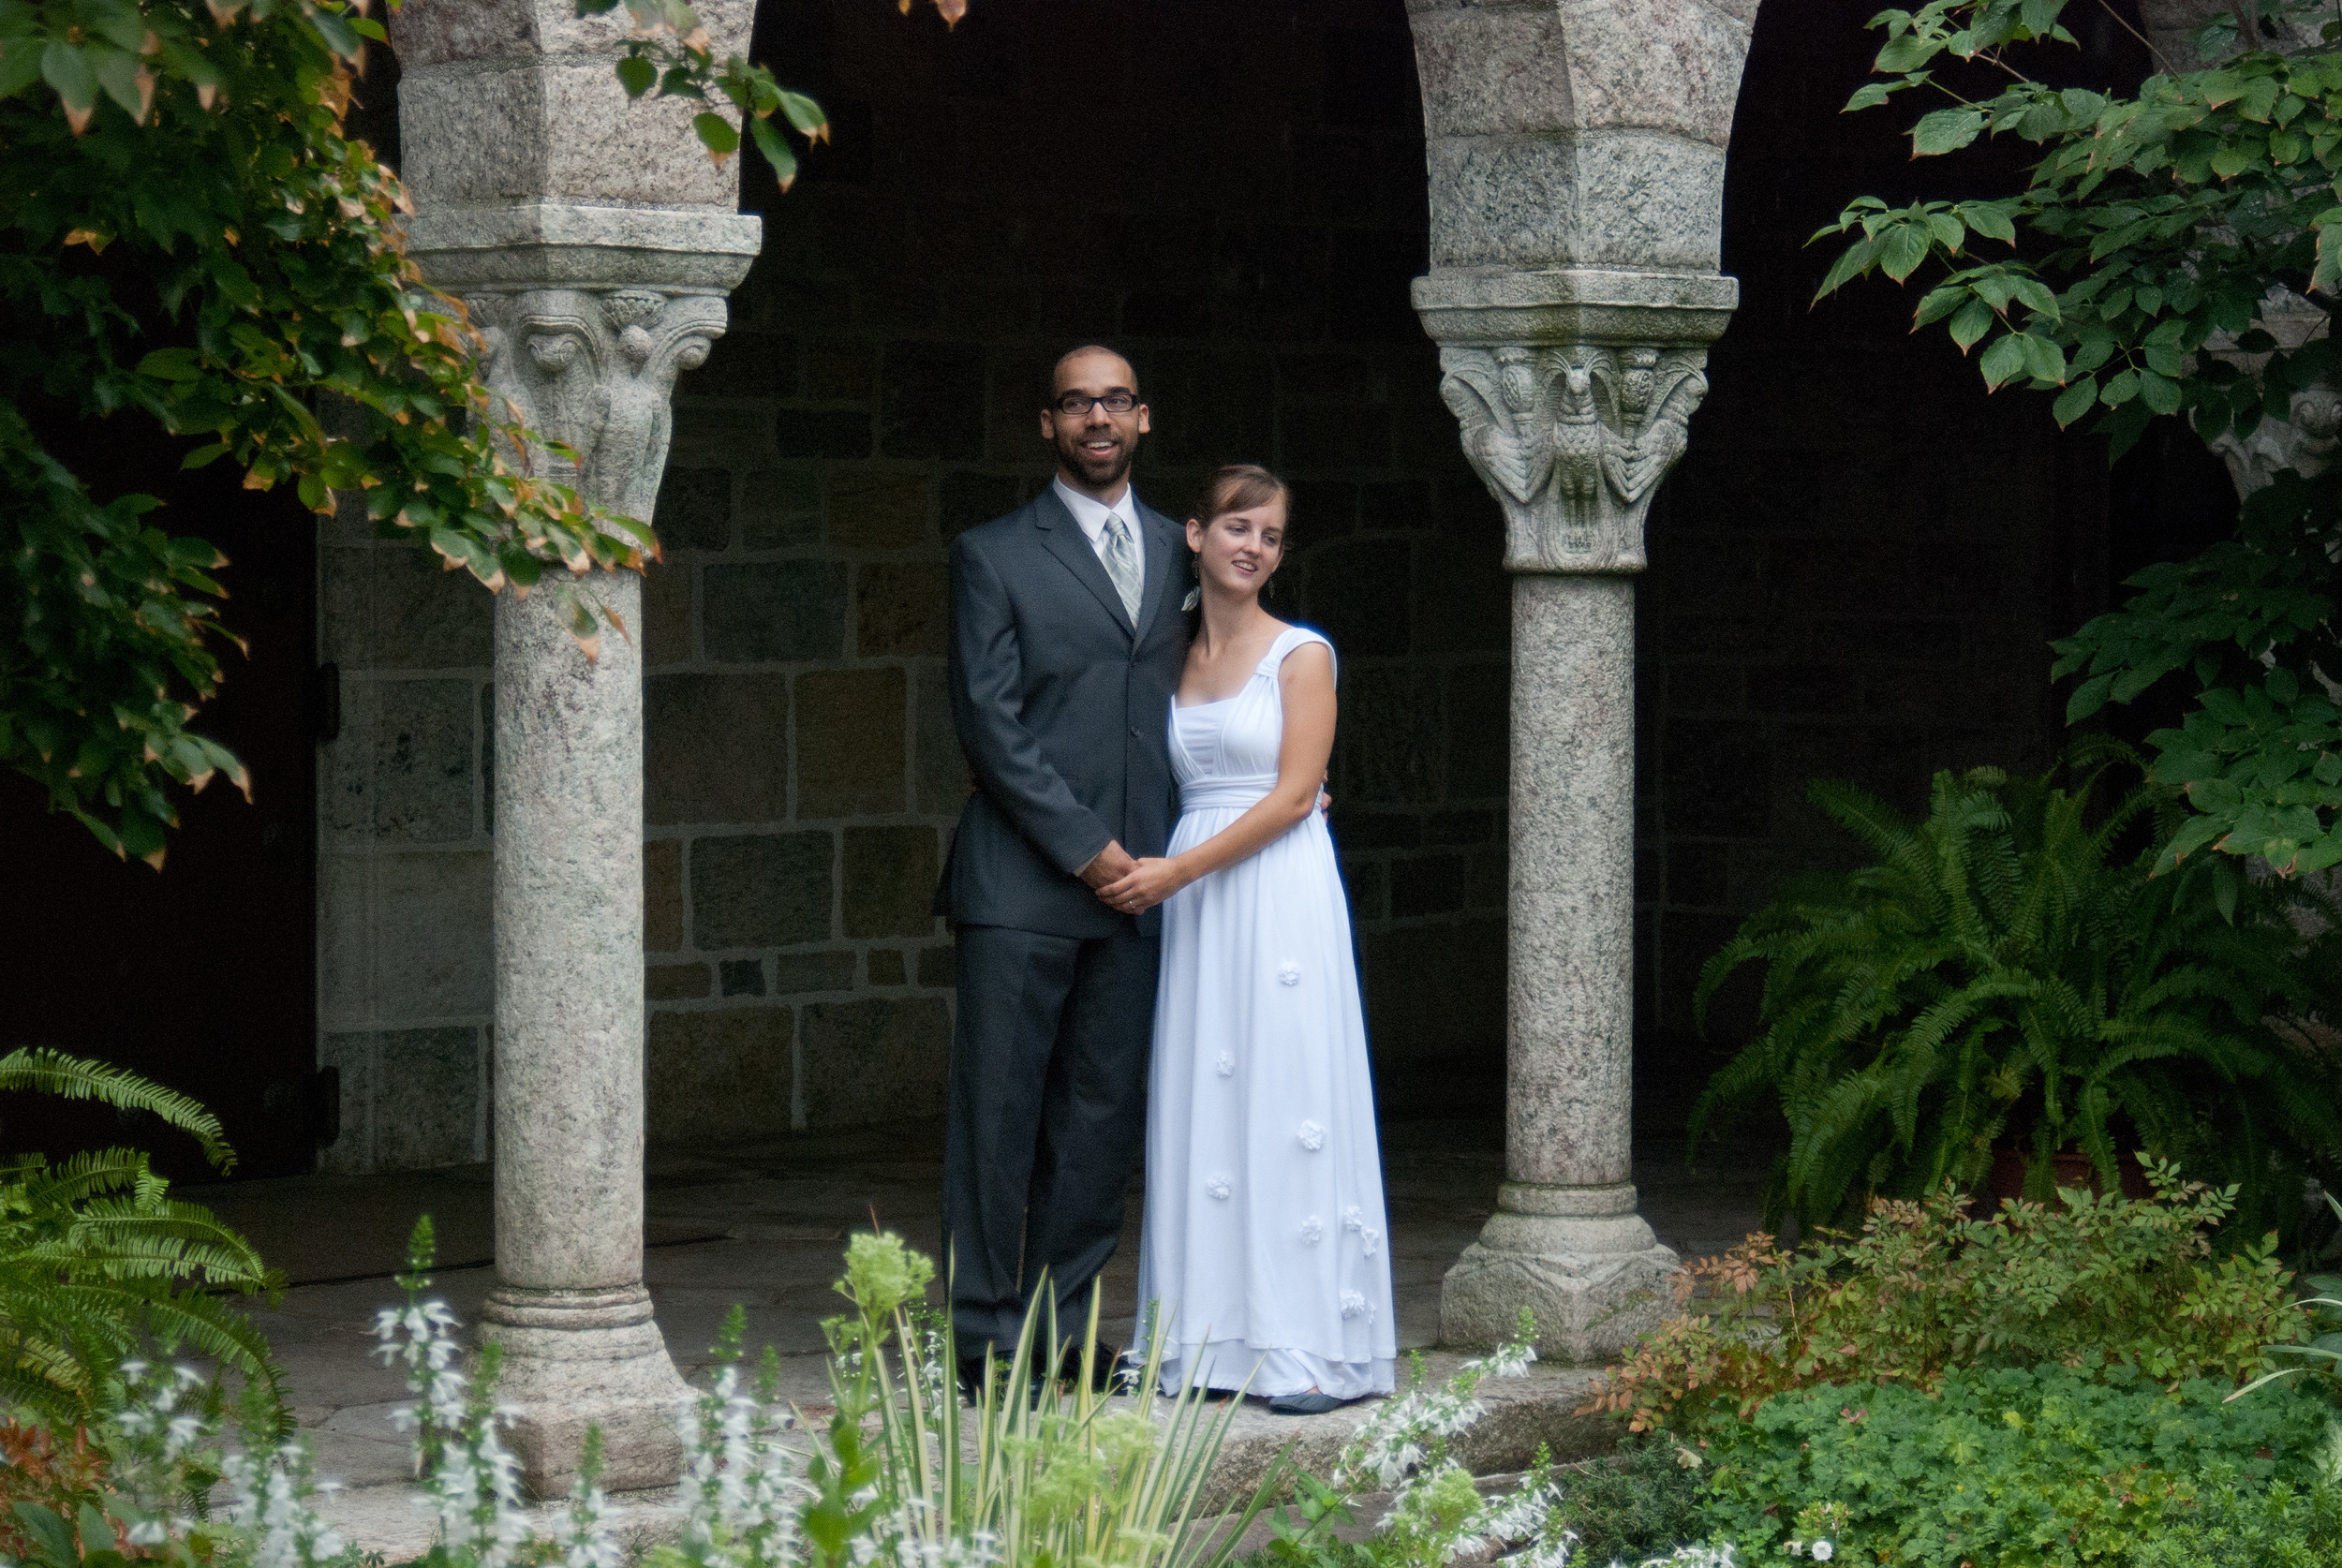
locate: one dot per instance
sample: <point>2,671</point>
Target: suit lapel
<point>1161,568</point>
<point>1064,538</point>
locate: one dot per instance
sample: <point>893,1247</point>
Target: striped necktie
<point>1121,560</point>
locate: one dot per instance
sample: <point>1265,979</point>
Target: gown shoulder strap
<point>1289,638</point>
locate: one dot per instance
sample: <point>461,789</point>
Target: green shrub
<point>1925,1290</point>
<point>2011,1467</point>
<point>2246,1527</point>
<point>2006,974</point>
<point>1638,1504</point>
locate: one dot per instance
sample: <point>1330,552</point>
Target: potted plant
<point>2009,974</point>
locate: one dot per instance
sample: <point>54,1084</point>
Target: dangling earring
<point>1194,582</point>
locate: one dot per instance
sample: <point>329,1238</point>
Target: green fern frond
<point>1998,971</point>
<point>97,1263</point>
<point>44,1069</point>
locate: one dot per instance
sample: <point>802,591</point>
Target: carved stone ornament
<point>594,370</point>
<point>2304,443</point>
<point>1573,440</point>
<point>2305,440</point>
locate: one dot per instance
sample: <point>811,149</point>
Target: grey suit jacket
<point>1062,706</point>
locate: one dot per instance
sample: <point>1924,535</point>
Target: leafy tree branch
<point>2134,276</point>
<point>188,236</point>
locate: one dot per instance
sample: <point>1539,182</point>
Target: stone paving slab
<point>776,1214</point>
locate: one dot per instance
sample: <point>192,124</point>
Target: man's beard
<point>1099,473</point>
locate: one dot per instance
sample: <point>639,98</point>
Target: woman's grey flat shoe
<point>1304,1404</point>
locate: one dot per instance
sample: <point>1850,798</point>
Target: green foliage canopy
<point>188,236</point>
<point>2137,263</point>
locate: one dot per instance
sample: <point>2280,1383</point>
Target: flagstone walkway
<point>764,1225</point>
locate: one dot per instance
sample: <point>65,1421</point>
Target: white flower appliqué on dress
<point>1226,1064</point>
<point>1312,1135</point>
<point>1288,973</point>
<point>1219,1187</point>
<point>1354,1305</point>
<point>1313,1229</point>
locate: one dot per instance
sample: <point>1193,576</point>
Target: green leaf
<point>776,150</point>
<point>1903,249</point>
<point>1855,260</point>
<point>2004,360</point>
<point>716,134</point>
<point>805,115</point>
<point>1975,319</point>
<point>2075,401</point>
<point>1945,130</point>
<point>636,74</point>
<point>2043,359</point>
<point>67,69</point>
<point>2234,158</point>
<point>20,65</point>
<point>2157,393</point>
<point>1988,218</point>
<point>1869,96</point>
<point>172,364</point>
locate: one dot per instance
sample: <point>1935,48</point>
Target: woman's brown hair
<point>1239,487</point>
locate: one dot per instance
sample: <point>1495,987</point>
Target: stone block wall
<point>879,392</point>
<point>405,982</point>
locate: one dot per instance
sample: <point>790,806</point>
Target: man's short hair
<point>1048,389</point>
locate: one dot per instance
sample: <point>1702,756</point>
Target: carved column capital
<point>593,369</point>
<point>2307,439</point>
<point>1573,387</point>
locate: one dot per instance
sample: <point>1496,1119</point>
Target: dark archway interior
<point>1854,572</point>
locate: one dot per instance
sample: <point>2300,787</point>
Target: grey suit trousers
<point>1048,1089</point>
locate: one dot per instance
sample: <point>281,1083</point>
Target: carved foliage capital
<point>594,370</point>
<point>1572,439</point>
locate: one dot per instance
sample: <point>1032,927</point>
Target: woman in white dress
<point>1262,1249</point>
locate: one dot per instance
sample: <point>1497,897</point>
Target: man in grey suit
<point>1067,642</point>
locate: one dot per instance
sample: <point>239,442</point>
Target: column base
<point>1581,1258</point>
<point>576,1359</point>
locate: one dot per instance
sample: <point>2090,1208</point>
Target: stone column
<point>593,244</point>
<point>1577,157</point>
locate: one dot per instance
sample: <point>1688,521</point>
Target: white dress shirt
<point>1092,517</point>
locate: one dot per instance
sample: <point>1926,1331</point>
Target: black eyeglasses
<point>1075,405</point>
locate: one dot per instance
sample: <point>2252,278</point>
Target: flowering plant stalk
<point>1055,1477</point>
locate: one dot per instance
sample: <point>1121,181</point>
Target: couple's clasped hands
<point>1135,886</point>
<point>1132,885</point>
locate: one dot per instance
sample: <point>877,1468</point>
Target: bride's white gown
<point>1263,1243</point>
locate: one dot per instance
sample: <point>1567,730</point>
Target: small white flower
<point>1288,973</point>
<point>1313,1229</point>
<point>1351,1219</point>
<point>1312,1135</point>
<point>1354,1305</point>
<point>1824,1551</point>
<point>1220,1186</point>
<point>1226,1064</point>
<point>1372,1238</point>
<point>1795,1548</point>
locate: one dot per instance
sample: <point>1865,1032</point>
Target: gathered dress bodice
<point>1224,753</point>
